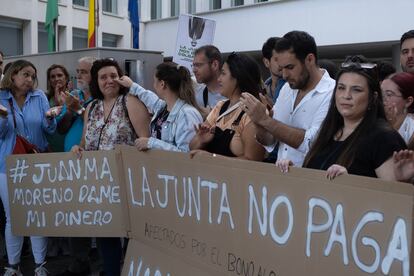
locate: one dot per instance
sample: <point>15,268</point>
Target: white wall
<point>331,22</point>
<point>34,11</point>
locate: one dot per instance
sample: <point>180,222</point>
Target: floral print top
<point>117,129</point>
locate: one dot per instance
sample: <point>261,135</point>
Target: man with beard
<point>275,82</point>
<point>407,51</point>
<point>302,104</point>
<point>207,64</point>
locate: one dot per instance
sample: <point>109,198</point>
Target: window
<point>11,42</point>
<point>80,39</point>
<point>109,40</point>
<point>215,4</point>
<point>175,7</point>
<point>110,6</point>
<point>83,3</point>
<point>155,9</point>
<point>235,3</point>
<point>41,38</point>
<point>191,6</point>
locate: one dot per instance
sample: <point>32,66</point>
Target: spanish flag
<point>91,25</point>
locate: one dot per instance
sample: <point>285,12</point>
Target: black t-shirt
<point>374,149</point>
<point>158,122</point>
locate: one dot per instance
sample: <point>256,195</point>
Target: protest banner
<point>193,32</point>
<point>142,259</point>
<point>215,215</point>
<point>232,217</point>
<point>57,194</point>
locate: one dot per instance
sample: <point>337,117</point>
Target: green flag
<point>52,14</point>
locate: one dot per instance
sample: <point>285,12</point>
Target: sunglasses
<point>358,65</point>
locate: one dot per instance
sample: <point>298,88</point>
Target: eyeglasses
<point>199,64</point>
<point>390,94</point>
<point>358,65</point>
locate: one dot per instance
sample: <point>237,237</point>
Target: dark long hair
<point>246,72</point>
<point>98,65</point>
<point>50,91</point>
<point>334,121</point>
<point>178,79</point>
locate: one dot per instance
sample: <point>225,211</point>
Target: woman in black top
<point>355,137</point>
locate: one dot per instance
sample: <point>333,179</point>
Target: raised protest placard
<point>232,217</point>
<point>57,194</point>
<point>193,32</point>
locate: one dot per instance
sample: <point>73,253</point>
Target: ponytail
<point>186,90</point>
<point>178,79</point>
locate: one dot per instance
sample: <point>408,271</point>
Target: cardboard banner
<point>193,32</point>
<point>214,215</point>
<point>57,194</point>
<point>233,217</point>
<point>142,259</point>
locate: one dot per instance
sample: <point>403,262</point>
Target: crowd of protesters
<point>355,117</point>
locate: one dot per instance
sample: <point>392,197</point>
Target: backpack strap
<point>238,119</point>
<point>224,107</point>
<point>205,96</point>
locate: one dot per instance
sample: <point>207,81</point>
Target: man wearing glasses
<point>407,51</point>
<point>302,104</point>
<point>207,64</point>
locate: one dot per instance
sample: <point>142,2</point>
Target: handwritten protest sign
<point>142,259</point>
<point>246,218</point>
<point>215,216</point>
<point>60,195</point>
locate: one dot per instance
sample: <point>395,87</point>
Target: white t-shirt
<point>213,96</point>
<point>407,128</point>
<point>308,115</point>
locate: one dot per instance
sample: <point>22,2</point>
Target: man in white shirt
<point>302,104</point>
<point>207,64</point>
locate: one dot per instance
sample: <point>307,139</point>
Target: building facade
<point>340,28</point>
<point>22,25</point>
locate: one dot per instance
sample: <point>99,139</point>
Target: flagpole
<point>56,25</point>
<point>96,21</point>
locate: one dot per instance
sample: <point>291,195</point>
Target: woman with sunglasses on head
<point>228,130</point>
<point>398,96</point>
<point>173,105</point>
<point>24,112</point>
<point>355,136</point>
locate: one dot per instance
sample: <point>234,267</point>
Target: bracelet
<point>80,111</point>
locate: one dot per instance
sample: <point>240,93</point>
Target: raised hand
<point>404,165</point>
<point>125,81</point>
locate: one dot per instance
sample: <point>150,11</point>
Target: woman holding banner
<point>355,136</point>
<point>228,130</point>
<point>173,105</point>
<point>113,118</point>
<point>24,116</point>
